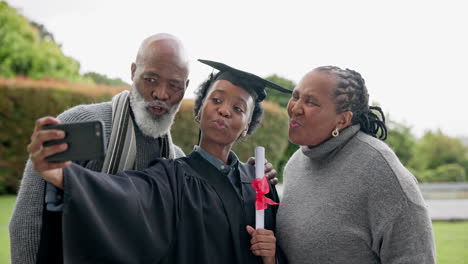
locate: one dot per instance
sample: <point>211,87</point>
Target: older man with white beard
<point>145,115</point>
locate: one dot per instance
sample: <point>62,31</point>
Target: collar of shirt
<point>220,165</point>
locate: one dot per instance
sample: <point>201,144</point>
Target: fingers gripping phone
<point>85,141</point>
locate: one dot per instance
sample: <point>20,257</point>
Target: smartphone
<point>85,141</point>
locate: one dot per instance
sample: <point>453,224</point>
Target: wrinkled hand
<point>50,171</point>
<point>270,172</point>
<point>263,244</point>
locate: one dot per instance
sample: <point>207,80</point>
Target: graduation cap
<point>252,83</point>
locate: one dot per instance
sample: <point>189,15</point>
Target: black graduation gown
<point>177,211</point>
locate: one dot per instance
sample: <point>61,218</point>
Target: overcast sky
<point>412,54</point>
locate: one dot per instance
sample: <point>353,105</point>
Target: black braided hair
<point>202,91</point>
<point>351,95</point>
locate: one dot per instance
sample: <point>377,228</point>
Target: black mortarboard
<point>250,82</point>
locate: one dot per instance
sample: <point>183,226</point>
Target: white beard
<point>151,125</point>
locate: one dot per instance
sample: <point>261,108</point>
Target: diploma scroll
<point>259,173</point>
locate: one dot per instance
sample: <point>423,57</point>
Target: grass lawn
<point>6,207</point>
<point>451,242</point>
<point>451,237</point>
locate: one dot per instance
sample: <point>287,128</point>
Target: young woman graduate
<point>196,209</point>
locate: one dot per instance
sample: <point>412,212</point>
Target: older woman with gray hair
<point>348,197</point>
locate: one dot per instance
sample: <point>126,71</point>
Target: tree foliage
<point>435,149</point>
<point>435,157</point>
<point>276,96</point>
<point>28,49</point>
<point>401,141</point>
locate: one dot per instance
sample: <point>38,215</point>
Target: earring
<point>197,118</point>
<point>335,132</point>
<point>244,133</point>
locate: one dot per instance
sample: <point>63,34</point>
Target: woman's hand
<point>270,172</point>
<point>263,244</point>
<point>50,171</point>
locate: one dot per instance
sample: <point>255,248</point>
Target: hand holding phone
<point>50,171</point>
<point>85,141</point>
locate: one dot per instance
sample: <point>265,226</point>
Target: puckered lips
<point>293,123</point>
<point>220,123</point>
<point>157,110</point>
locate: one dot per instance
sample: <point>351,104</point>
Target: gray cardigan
<point>26,222</point>
<point>350,200</point>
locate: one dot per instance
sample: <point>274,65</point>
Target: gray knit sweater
<point>350,200</point>
<point>26,222</point>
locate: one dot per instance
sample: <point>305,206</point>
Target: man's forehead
<point>163,49</point>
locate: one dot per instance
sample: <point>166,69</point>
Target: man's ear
<point>133,69</point>
<point>344,120</point>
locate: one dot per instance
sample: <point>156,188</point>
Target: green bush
<point>184,131</point>
<point>424,175</point>
<point>103,79</point>
<point>290,149</point>
<point>451,172</point>
<point>282,99</point>
<point>19,108</point>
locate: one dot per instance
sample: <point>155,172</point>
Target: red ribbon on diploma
<point>262,188</point>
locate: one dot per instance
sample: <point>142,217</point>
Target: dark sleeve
<point>130,217</point>
<point>273,194</point>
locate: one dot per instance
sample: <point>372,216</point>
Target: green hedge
<point>20,107</point>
